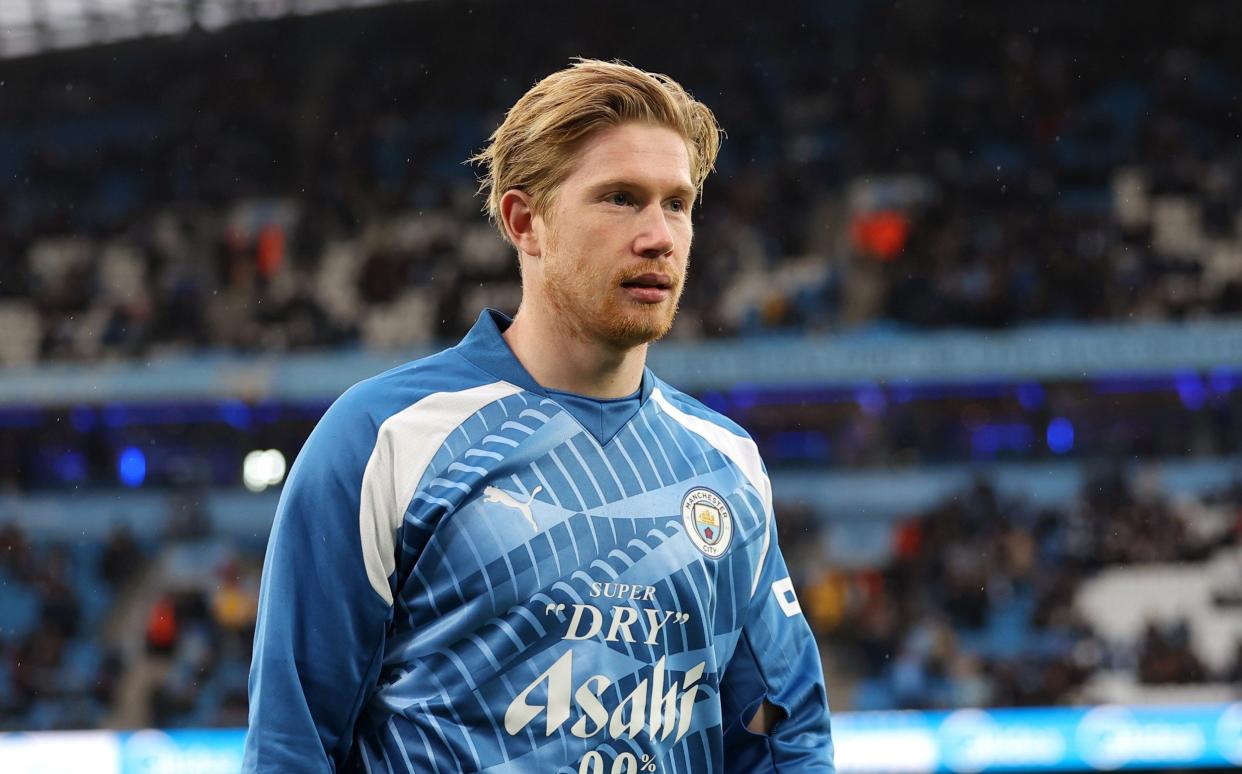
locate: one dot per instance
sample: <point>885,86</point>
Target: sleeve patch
<point>785,597</point>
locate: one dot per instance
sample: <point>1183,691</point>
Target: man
<point>527,553</point>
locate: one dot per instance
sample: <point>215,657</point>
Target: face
<point>616,241</point>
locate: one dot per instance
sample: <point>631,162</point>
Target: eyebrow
<point>684,191</point>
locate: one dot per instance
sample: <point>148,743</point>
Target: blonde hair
<point>534,148</point>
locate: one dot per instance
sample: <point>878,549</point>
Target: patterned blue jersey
<point>460,578</point>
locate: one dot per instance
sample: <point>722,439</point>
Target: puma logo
<point>493,495</point>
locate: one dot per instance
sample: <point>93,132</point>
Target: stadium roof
<point>34,26</point>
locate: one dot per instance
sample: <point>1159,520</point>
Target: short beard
<point>606,322</point>
<point>625,331</point>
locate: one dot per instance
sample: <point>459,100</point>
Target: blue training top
<point>461,578</point>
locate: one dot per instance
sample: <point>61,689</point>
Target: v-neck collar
<point>486,348</point>
<point>603,419</point>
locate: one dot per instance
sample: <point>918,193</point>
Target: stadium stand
<point>886,170</point>
<point>984,600</point>
<point>210,192</point>
<point>990,601</point>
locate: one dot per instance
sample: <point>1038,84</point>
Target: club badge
<point>708,522</point>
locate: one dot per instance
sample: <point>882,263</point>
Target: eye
<point>620,199</point>
<point>677,205</point>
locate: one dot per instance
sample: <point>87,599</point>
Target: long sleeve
<point>776,659</point>
<point>319,639</point>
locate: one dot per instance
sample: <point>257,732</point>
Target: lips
<point>649,280</point>
<point>649,288</point>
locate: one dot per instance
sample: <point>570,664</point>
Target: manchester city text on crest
<point>709,525</point>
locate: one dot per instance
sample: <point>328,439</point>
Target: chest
<point>649,540</point>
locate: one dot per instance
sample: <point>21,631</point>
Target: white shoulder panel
<point>741,451</point>
<point>405,446</point>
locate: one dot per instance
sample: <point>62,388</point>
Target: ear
<point>519,221</point>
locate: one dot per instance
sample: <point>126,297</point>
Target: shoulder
<point>435,384</point>
<point>718,431</point>
<point>675,402</point>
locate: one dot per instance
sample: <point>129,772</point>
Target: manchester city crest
<point>708,522</point>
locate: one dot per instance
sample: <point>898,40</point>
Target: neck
<point>561,359</point>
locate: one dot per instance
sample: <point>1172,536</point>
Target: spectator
<point>162,626</point>
<point>120,557</point>
<point>234,606</point>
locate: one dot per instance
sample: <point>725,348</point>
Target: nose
<point>655,238</point>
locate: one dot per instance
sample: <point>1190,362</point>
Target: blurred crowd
<point>980,605</point>
<point>124,633</point>
<point>885,166</point>
<point>199,639</point>
<point>55,669</point>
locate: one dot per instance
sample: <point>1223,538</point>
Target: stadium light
<point>131,466</point>
<point>1060,435</point>
<point>263,468</point>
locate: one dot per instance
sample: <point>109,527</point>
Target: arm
<point>775,681</point>
<point>319,638</point>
